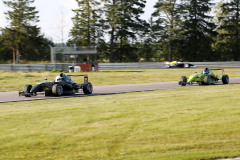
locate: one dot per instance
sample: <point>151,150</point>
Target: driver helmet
<point>206,71</point>
<point>58,79</point>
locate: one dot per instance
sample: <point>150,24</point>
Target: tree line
<point>184,30</point>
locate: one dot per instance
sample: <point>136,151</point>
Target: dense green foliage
<point>227,42</point>
<point>122,22</point>
<point>199,31</point>
<point>84,31</point>
<point>22,37</point>
<point>168,25</point>
<point>182,30</point>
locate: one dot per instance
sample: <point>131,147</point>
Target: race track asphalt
<point>105,90</point>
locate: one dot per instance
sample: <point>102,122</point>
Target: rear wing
<point>81,75</point>
<point>223,73</point>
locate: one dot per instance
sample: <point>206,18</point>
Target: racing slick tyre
<point>207,80</point>
<point>168,66</point>
<point>183,81</point>
<point>27,88</point>
<point>225,79</point>
<point>87,88</point>
<point>57,90</point>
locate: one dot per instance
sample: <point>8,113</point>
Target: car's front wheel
<point>225,79</point>
<point>27,88</point>
<point>87,88</point>
<point>207,80</point>
<point>57,90</point>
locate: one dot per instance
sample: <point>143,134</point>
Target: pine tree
<point>221,43</point>
<point>199,30</point>
<point>145,44</point>
<point>168,23</point>
<point>85,31</point>
<point>123,23</point>
<point>111,19</point>
<point>230,27</point>
<point>22,29</point>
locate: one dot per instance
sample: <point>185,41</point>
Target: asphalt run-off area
<point>106,90</point>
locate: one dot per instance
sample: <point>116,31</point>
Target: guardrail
<point>156,65</point>
<point>118,66</point>
<point>217,64</point>
<point>34,67</point>
<point>108,66</point>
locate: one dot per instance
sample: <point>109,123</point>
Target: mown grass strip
<point>188,123</point>
<point>14,81</point>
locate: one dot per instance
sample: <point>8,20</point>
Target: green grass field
<point>176,124</point>
<point>14,81</point>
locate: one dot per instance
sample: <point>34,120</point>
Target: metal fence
<point>118,66</point>
<point>34,67</point>
<point>217,64</point>
<point>107,66</point>
<point>156,65</point>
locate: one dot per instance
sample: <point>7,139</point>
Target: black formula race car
<point>62,85</point>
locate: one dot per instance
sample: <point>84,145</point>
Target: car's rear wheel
<point>168,65</point>
<point>57,90</point>
<point>183,80</point>
<point>225,79</point>
<point>207,80</point>
<point>87,88</point>
<point>27,88</point>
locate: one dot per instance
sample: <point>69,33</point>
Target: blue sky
<point>55,16</point>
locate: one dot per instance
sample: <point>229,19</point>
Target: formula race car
<point>62,84</point>
<point>175,64</point>
<point>207,77</point>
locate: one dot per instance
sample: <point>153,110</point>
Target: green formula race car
<point>207,77</point>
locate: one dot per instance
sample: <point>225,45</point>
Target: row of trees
<point>22,37</point>
<point>178,29</point>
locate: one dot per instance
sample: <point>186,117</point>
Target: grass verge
<point>14,81</point>
<point>188,123</point>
